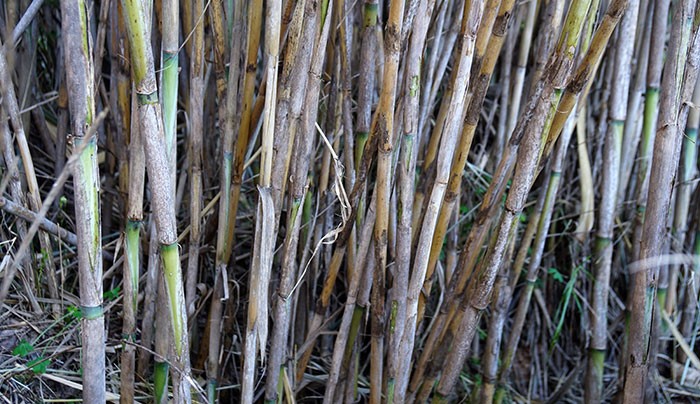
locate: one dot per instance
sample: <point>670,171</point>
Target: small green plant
<point>22,349</point>
<point>556,275</point>
<point>522,217</point>
<point>564,304</point>
<point>37,365</point>
<point>111,294</point>
<point>73,313</point>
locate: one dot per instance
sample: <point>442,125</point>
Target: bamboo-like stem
<point>520,68</point>
<point>692,66</point>
<point>121,87</point>
<point>323,301</point>
<point>151,127</point>
<point>161,365</point>
<point>420,204</point>
<point>366,79</point>
<point>383,128</point>
<point>302,153</point>
<point>651,101</point>
<point>664,165</point>
<point>352,314</point>
<point>333,254</point>
<point>407,163</point>
<point>498,317</point>
<point>100,41</point>
<point>256,330</point>
<point>114,134</point>
<point>246,128</point>
<point>169,81</point>
<point>609,190</point>
<point>133,166</point>
<point>290,94</point>
<point>526,240</point>
<point>132,263</point>
<point>633,126</point>
<point>336,259</point>
<point>491,374</point>
<point>346,105</point>
<point>452,244</point>
<point>543,225</point>
<point>196,135</point>
<point>687,168</point>
<point>566,47</point>
<point>505,72</point>
<point>227,115</point>
<point>77,42</point>
<point>546,41</point>
<point>131,277</point>
<point>257,324</point>
<point>454,337</point>
<point>584,73</point>
<point>589,62</point>
<point>586,211</point>
<point>436,37</point>
<point>560,65</point>
<point>220,51</point>
<point>273,15</point>
<point>466,263</point>
<point>477,296</point>
<point>487,57</point>
<point>453,108</point>
<point>365,93</point>
<point>434,141</point>
<point>442,53</point>
<point>686,164</point>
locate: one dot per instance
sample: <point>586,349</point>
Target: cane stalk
<point>257,324</point>
<point>534,132</point>
<point>297,195</point>
<point>560,65</point>
<point>162,187</point>
<point>77,42</point>
<point>228,113</point>
<point>407,170</point>
<point>194,152</point>
<point>687,170</point>
<point>663,168</point>
<point>490,40</point>
<point>608,205</point>
<point>651,102</point>
<point>453,106</point>
<point>383,128</point>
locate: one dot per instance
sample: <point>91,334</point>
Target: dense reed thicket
<point>349,201</point>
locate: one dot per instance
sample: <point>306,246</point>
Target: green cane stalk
<point>161,183</point>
